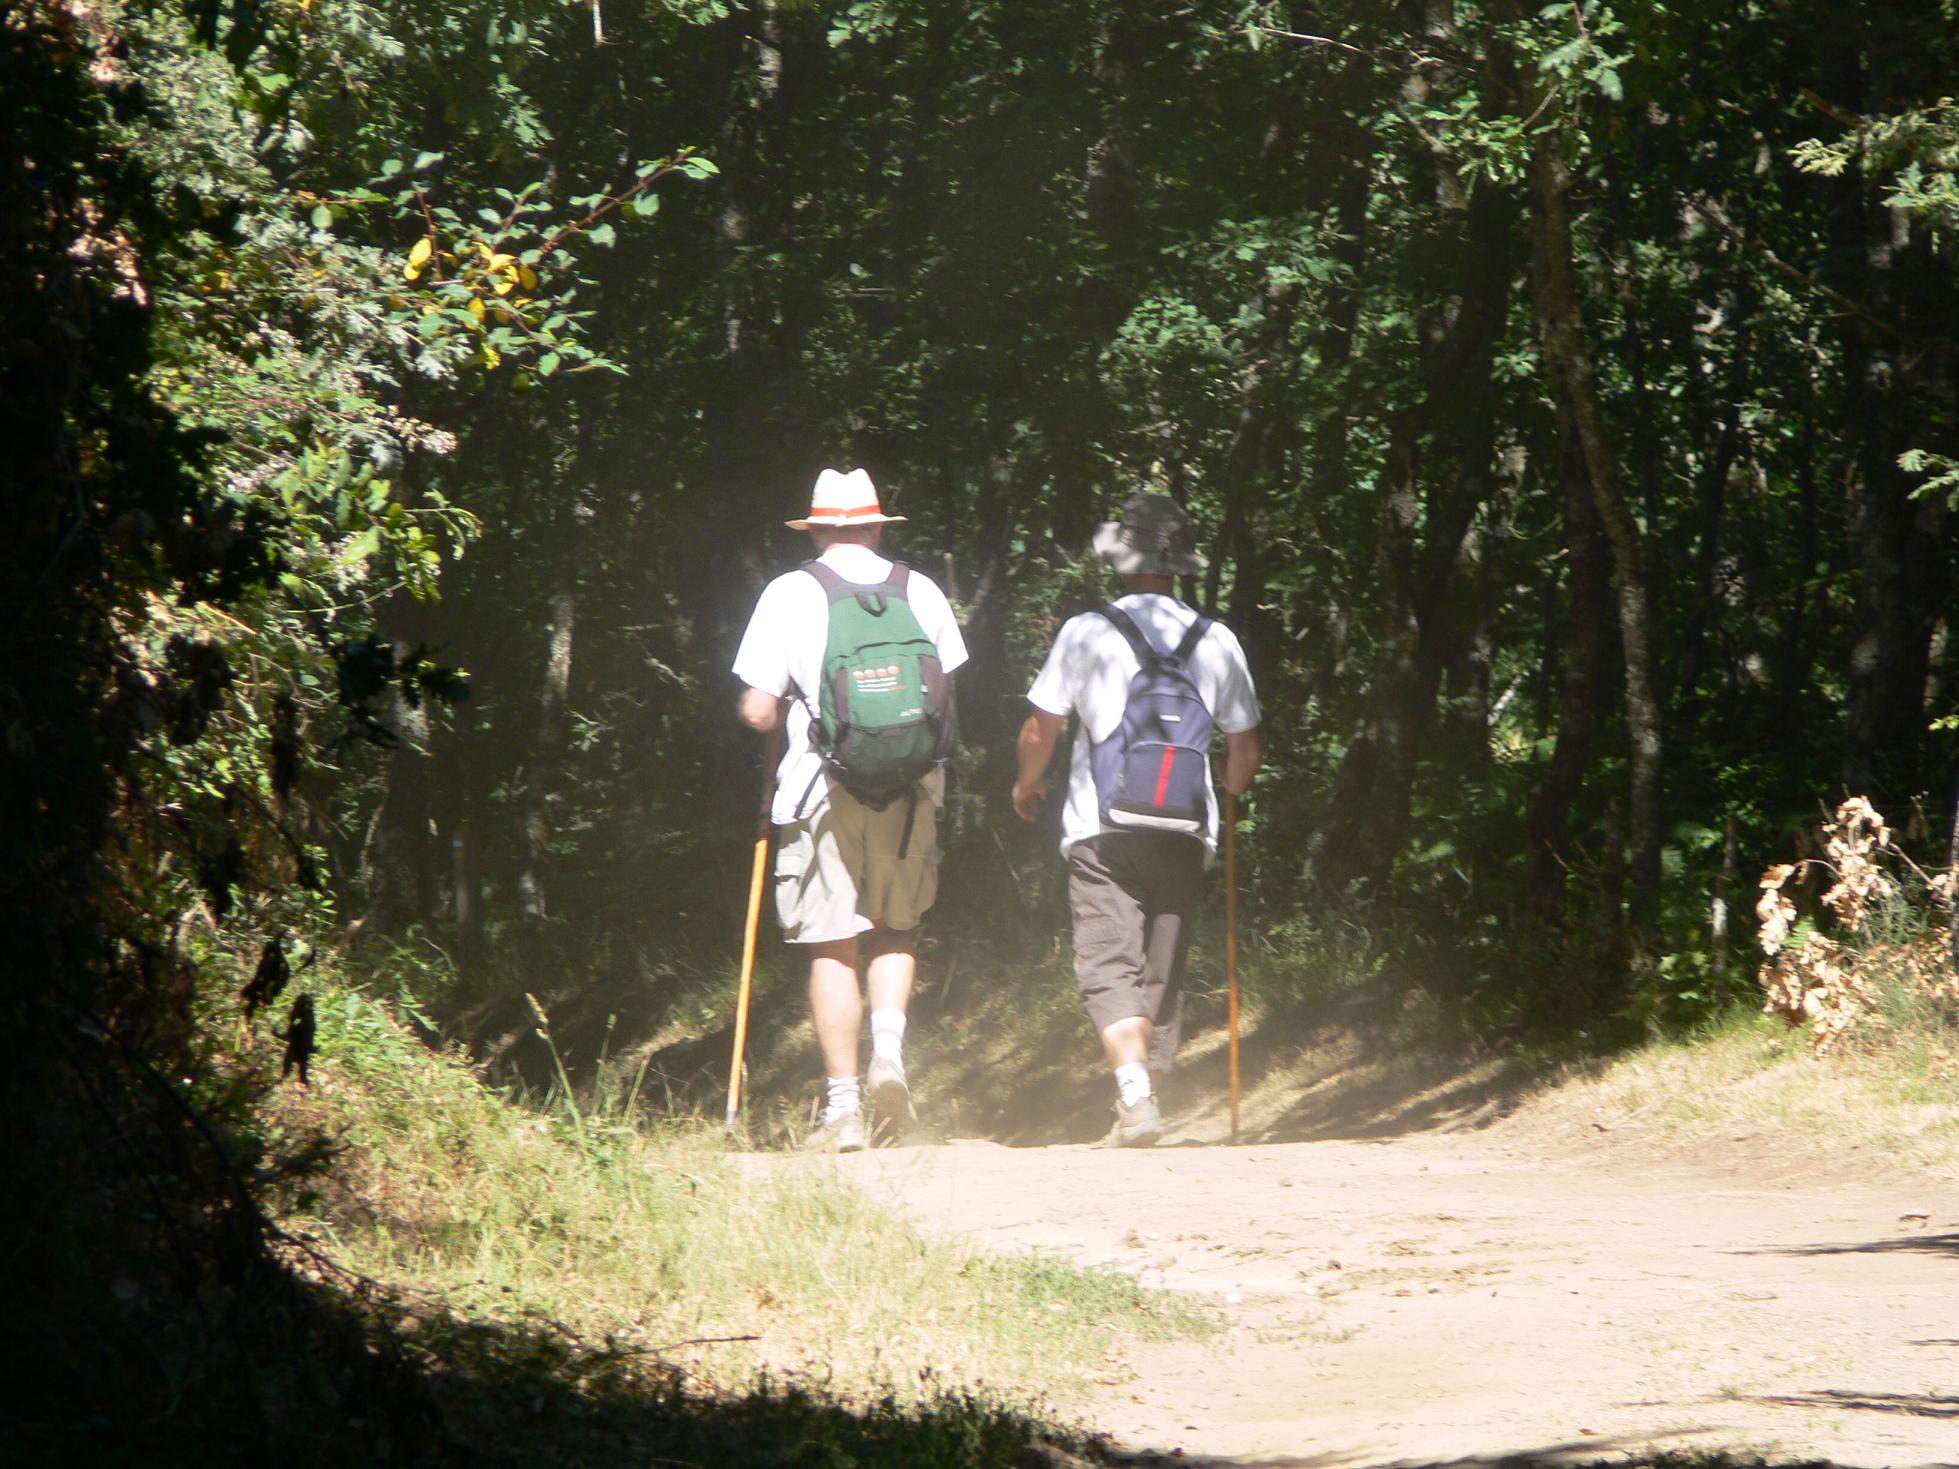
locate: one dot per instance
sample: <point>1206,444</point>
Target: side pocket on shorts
<point>925,841</point>
<point>795,851</point>
<point>1096,936</point>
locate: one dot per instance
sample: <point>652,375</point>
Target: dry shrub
<point>1830,984</point>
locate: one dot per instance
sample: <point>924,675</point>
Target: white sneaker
<point>1136,1127</point>
<point>843,1134</point>
<point>891,1108</point>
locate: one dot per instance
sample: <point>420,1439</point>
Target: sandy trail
<point>1437,1297</point>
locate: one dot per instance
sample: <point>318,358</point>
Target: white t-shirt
<point>1088,673</point>
<point>782,652</point>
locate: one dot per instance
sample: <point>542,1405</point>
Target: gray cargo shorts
<point>1133,898</point>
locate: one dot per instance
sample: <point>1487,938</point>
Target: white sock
<point>844,1097</point>
<point>1133,1082</point>
<point>888,1035</point>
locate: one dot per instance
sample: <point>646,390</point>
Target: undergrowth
<point>656,1241</point>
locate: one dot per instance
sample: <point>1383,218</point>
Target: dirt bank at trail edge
<point>1433,1297</point>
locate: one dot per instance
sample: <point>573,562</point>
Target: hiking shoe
<point>1136,1127</point>
<point>843,1134</point>
<point>891,1108</point>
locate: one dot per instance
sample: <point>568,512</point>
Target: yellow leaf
<point>476,307</point>
<point>412,272</point>
<point>528,277</point>
<point>503,287</point>
<point>418,256</point>
<point>499,261</point>
<point>491,357</point>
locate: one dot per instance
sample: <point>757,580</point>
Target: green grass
<point>1891,1098</point>
<point>661,1241</point>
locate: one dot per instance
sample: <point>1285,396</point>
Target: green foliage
<point>317,308</point>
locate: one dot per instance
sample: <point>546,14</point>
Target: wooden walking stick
<point>771,752</point>
<point>1231,941</point>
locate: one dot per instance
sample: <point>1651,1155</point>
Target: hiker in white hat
<point>859,651</point>
<point>1151,681</point>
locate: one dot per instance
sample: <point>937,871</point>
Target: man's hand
<point>1032,751</point>
<point>1028,797</point>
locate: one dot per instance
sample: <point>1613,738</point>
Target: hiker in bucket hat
<point>1150,680</point>
<point>855,653</point>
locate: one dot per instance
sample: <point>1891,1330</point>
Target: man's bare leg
<point>888,977</point>
<point>836,1008</point>
<point>892,970</point>
<point>1127,1041</point>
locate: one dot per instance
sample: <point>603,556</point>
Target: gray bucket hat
<point>1154,538</point>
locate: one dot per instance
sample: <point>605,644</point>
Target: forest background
<point>405,402</point>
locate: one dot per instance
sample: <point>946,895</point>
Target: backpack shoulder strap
<point>873,597</point>
<point>897,582</point>
<point>826,578</point>
<point>1191,639</point>
<point>1146,654</point>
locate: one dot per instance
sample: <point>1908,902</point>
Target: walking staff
<point>771,752</point>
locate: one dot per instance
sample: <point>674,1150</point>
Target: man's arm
<point>1242,753</point>
<point>1033,750</point>
<point>759,710</point>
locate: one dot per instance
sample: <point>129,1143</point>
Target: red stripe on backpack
<point>1163,775</point>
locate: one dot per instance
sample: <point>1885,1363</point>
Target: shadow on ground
<point>1009,1056</point>
<point>1917,1405</point>
<point>1550,1456</point>
<point>1910,1244</point>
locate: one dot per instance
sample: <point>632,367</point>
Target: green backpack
<point>883,714</point>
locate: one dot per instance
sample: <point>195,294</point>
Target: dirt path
<point>1436,1297</point>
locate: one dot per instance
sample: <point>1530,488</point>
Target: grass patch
<point>658,1242</point>
<point>1891,1100</point>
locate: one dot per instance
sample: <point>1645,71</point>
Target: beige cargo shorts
<point>838,872</point>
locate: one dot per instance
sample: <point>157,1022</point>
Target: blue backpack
<point>1150,773</point>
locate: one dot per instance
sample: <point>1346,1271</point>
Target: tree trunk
<point>1586,635</point>
<point>547,745</point>
<point>1952,891</point>
<point>1725,885</point>
<point>395,861</point>
<point>1568,361</point>
<point>1438,475</point>
<point>1896,350</point>
<point>1711,510</point>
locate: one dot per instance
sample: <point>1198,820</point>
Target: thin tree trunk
<point>1586,633</point>
<point>1568,359</point>
<point>546,747</point>
<point>1711,512</point>
<point>1952,891</point>
<point>1893,355</point>
<point>1439,472</point>
<point>1724,890</point>
<point>395,866</point>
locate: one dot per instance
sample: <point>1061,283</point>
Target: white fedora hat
<point>843,499</point>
